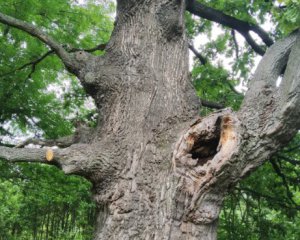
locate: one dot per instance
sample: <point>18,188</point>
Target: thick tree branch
<point>100,47</point>
<point>35,32</point>
<point>72,160</point>
<point>220,149</point>
<point>263,35</point>
<point>253,44</point>
<point>266,75</point>
<point>269,113</point>
<point>78,154</point>
<point>242,27</point>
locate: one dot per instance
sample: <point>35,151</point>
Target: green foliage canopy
<point>38,97</point>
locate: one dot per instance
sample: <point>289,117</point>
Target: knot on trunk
<point>200,158</point>
<point>170,18</point>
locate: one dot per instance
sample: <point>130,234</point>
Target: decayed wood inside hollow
<point>205,149</point>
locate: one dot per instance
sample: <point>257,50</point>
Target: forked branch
<point>220,149</point>
<point>271,113</point>
<point>269,109</point>
<point>31,63</point>
<point>242,27</point>
<point>35,32</point>
<point>38,60</point>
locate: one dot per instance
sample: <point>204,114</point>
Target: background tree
<point>122,78</point>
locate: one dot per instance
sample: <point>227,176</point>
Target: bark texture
<point>158,170</point>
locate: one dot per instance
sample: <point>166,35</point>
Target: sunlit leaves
<point>25,99</point>
<point>214,84</point>
<point>287,13</point>
<point>45,100</point>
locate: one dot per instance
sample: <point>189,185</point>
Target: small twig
<point>280,202</point>
<point>292,148</point>
<point>289,160</point>
<point>284,181</point>
<point>197,54</point>
<point>35,62</point>
<point>31,63</point>
<point>233,88</point>
<point>235,44</point>
<point>41,35</point>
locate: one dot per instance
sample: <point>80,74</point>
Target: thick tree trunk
<point>147,183</point>
<point>157,172</point>
<point>146,98</point>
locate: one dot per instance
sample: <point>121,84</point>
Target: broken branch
<point>71,160</point>
<point>25,155</point>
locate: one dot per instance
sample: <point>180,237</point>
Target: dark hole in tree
<point>205,147</point>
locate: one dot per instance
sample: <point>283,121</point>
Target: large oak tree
<point>159,171</point>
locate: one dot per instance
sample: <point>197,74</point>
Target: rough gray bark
<point>159,171</point>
